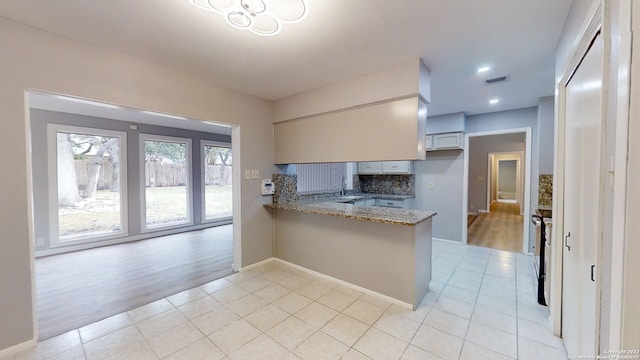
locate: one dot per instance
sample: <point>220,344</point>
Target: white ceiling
<point>339,39</point>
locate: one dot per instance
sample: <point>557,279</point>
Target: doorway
<point>185,186</point>
<point>507,181</point>
<point>500,223</point>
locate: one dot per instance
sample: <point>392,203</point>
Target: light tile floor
<point>482,305</point>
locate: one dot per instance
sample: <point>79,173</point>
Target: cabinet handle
<point>566,241</point>
<point>592,268</point>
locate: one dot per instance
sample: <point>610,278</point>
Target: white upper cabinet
<point>385,167</point>
<point>396,167</point>
<point>445,132</point>
<point>369,167</point>
<point>447,141</point>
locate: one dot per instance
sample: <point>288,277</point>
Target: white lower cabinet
<point>366,202</point>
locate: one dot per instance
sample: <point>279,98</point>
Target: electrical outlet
<point>198,220</point>
<point>430,184</point>
<point>255,174</point>
<point>247,174</point>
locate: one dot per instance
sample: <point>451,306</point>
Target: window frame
<point>203,194</point>
<point>144,228</point>
<point>52,163</point>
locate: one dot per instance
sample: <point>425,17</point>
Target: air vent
<point>496,80</point>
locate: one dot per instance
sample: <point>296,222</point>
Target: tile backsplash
<point>545,189</point>
<point>286,188</point>
<point>387,184</point>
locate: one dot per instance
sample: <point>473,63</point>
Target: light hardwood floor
<point>79,288</point>
<point>499,229</point>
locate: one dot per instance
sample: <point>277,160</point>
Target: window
<point>166,180</point>
<point>217,162</point>
<point>324,177</point>
<point>87,191</point>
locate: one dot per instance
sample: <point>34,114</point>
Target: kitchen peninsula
<point>386,250</point>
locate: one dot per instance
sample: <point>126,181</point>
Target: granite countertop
<point>367,213</point>
<point>544,211</point>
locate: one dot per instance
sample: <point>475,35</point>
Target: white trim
<point>527,180</point>
<point>472,213</point>
<point>447,240</point>
<point>142,236</point>
<point>31,231</point>
<point>236,189</point>
<point>618,298</point>
<point>203,194</point>
<point>18,348</point>
<point>347,284</point>
<point>483,211</point>
<point>52,169</point>
<point>258,264</point>
<point>144,228</point>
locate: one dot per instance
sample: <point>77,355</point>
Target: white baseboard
<point>483,211</point>
<point>447,240</point>
<point>258,264</point>
<point>472,213</point>
<point>17,348</point>
<point>347,284</point>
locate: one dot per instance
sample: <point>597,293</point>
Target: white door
<point>582,169</point>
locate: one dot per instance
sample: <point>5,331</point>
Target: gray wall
<point>39,121</point>
<point>479,149</point>
<point>446,123</point>
<point>445,169</point>
<point>546,113</point>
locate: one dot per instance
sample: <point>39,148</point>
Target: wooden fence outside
<point>155,174</point>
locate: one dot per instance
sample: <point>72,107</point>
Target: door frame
<point>511,155</point>
<point>527,181</point>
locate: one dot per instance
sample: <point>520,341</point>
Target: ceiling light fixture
<point>483,69</point>
<point>262,17</point>
<point>494,101</point>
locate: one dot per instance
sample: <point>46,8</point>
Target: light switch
<point>247,174</point>
<point>255,174</point>
<point>430,184</point>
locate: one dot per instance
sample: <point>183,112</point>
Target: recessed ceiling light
<point>483,69</point>
<point>494,101</point>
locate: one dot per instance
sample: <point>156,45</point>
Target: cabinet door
<point>396,167</point>
<point>429,142</point>
<point>447,141</point>
<point>369,167</point>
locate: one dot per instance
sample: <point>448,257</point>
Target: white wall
<point>34,59</point>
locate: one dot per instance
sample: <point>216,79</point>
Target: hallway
<point>499,229</point>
